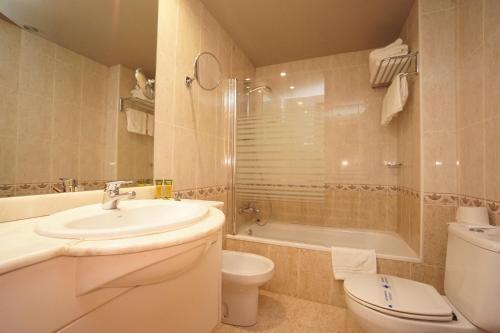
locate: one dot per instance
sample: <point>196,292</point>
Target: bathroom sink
<point>132,218</point>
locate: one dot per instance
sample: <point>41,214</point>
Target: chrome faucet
<point>112,194</point>
<point>249,209</point>
<point>66,185</point>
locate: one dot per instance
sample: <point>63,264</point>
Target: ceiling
<point>276,31</point>
<point>110,32</point>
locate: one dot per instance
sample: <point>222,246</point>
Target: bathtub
<point>387,244</point>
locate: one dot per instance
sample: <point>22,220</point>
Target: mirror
<point>207,71</point>
<point>73,74</point>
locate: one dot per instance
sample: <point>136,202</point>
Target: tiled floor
<point>285,314</point>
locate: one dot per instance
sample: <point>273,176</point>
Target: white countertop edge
<point>29,248</point>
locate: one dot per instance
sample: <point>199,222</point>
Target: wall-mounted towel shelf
<point>392,66</point>
<point>136,103</point>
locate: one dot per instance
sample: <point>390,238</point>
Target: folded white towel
<point>394,99</point>
<point>151,124</point>
<point>376,57</point>
<point>396,43</point>
<point>347,261</point>
<point>137,93</point>
<point>136,121</point>
<point>380,54</point>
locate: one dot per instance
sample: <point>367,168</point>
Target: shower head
<point>260,88</point>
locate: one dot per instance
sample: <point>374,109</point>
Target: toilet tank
<point>472,275</point>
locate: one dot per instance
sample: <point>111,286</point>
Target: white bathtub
<point>387,244</point>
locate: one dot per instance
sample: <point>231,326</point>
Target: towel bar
<point>390,67</point>
<point>137,103</point>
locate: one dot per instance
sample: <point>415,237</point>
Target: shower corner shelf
<point>390,67</point>
<point>137,103</point>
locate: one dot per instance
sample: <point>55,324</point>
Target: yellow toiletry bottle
<point>158,188</point>
<point>169,191</point>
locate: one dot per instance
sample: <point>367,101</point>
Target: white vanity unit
<point>105,271</point>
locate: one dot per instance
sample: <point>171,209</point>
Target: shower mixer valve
<point>249,209</point>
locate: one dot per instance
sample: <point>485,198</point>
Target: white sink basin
<point>132,218</point>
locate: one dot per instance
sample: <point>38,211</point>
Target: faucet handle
<point>69,184</point>
<point>114,186</point>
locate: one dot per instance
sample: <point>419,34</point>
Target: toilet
<point>242,275</point>
<point>389,304</point>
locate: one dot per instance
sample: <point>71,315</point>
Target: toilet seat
<point>398,297</point>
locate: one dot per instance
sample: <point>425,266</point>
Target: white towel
<point>137,93</point>
<point>136,121</point>
<point>151,125</point>
<point>376,57</point>
<point>391,47</point>
<point>347,261</point>
<point>394,99</point>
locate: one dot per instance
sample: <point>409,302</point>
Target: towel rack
<point>137,103</point>
<point>392,66</point>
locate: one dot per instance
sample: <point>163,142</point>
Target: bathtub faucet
<point>250,209</point>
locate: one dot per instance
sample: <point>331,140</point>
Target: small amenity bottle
<point>158,188</point>
<point>169,191</point>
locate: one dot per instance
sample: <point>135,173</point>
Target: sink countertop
<point>21,246</point>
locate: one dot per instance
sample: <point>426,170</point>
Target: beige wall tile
<point>186,157</point>
<point>10,48</point>
<point>68,81</point>
<point>432,275</point>
<point>91,160</point>
<point>64,161</point>
<point>435,233</point>
<point>8,112</point>
<point>472,159</point>
<point>286,275</point>
<point>470,90</point>
<point>470,27</point>
<point>440,162</point>
<point>492,80</point>
<point>255,248</point>
<point>315,276</point>
<point>394,267</point>
<point>436,5</point>
<point>8,157</point>
<point>65,122</point>
<point>34,117</point>
<point>30,153</point>
<point>492,159</point>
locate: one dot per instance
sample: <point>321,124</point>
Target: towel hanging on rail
<point>394,99</point>
<point>136,121</point>
<point>150,128</point>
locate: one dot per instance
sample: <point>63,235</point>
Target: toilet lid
<point>398,297</point>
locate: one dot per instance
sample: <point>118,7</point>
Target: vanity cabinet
<point>174,289</point>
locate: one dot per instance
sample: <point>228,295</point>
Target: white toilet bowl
<point>242,275</point>
<point>388,304</point>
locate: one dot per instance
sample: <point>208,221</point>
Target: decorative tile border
<point>11,190</point>
<point>202,193</point>
<point>376,188</point>
<point>451,199</point>
<point>442,199</point>
<point>409,192</point>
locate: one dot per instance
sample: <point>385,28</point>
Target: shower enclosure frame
<point>233,108</point>
<point>233,103</point>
